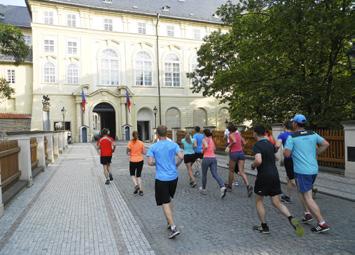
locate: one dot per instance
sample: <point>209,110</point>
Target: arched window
<point>172,118</point>
<point>73,74</point>
<point>200,117</point>
<point>109,69</point>
<point>194,63</point>
<point>49,72</point>
<point>143,69</point>
<point>172,71</point>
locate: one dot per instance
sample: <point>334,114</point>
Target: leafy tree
<point>280,58</point>
<point>12,43</point>
<point>5,90</point>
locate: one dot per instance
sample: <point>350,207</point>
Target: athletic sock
<point>321,223</point>
<point>290,218</point>
<point>172,227</point>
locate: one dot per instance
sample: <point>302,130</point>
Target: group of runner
<point>300,150</point>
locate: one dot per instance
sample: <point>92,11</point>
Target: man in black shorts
<point>267,182</point>
<point>162,155</point>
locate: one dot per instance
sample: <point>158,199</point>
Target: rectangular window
<point>11,76</point>
<point>197,34</point>
<point>142,28</point>
<point>48,17</point>
<point>72,48</point>
<point>71,20</point>
<point>170,31</point>
<point>49,45</point>
<point>28,40</point>
<point>108,24</point>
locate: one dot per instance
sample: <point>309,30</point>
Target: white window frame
<point>11,76</point>
<point>170,30</point>
<point>172,69</point>
<point>71,20</point>
<point>145,72</point>
<point>73,73</point>
<point>142,28</point>
<point>48,17</point>
<point>49,72</point>
<point>197,34</point>
<point>109,74</point>
<point>108,25</point>
<point>48,45</point>
<point>71,48</point>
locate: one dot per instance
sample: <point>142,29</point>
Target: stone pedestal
<point>24,159</point>
<point>277,129</point>
<point>60,142</point>
<point>41,154</point>
<point>1,203</point>
<point>50,149</point>
<point>56,144</point>
<point>349,142</point>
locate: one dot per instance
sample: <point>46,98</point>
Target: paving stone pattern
<point>210,225</point>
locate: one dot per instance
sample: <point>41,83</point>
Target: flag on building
<point>83,100</point>
<point>128,101</point>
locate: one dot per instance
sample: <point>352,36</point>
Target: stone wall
<point>15,122</point>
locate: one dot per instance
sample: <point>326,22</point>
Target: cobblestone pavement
<point>69,210</point>
<point>210,225</point>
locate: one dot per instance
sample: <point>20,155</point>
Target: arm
<point>128,151</point>
<point>322,147</point>
<point>151,161</point>
<point>243,140</point>
<point>204,144</point>
<point>144,151</point>
<point>257,161</point>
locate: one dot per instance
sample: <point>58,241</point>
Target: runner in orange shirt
<point>135,150</point>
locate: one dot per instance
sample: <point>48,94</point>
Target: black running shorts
<point>288,162</point>
<point>165,191</point>
<point>105,160</point>
<point>267,186</point>
<point>189,158</point>
<point>198,155</point>
<point>135,168</point>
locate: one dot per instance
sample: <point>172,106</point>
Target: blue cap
<point>299,118</point>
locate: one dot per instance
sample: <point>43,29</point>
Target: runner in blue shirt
<point>288,162</point>
<point>162,155</point>
<point>304,146</point>
<point>198,137</point>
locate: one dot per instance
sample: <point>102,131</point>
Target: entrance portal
<point>143,130</point>
<point>107,117</point>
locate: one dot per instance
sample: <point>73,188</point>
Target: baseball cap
<point>299,118</point>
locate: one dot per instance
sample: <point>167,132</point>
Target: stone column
<point>60,142</point>
<point>41,154</point>
<point>349,144</point>
<point>174,131</point>
<point>50,148</point>
<point>277,129</point>
<point>1,203</point>
<point>56,144</point>
<point>24,159</point>
<point>66,139</point>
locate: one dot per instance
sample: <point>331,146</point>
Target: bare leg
<point>189,171</point>
<point>106,171</point>
<point>134,179</point>
<point>303,202</point>
<point>139,182</point>
<point>231,172</point>
<point>242,172</point>
<point>260,208</point>
<point>276,202</point>
<point>168,212</point>
<point>312,205</point>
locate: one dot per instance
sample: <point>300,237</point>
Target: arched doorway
<point>144,124</point>
<point>107,117</point>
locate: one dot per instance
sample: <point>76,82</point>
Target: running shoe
<point>197,173</point>
<point>169,227</point>
<point>223,192</point>
<point>236,183</point>
<point>110,175</point>
<point>320,228</point>
<point>250,190</point>
<point>193,184</point>
<point>299,230</point>
<point>107,182</point>
<point>173,232</point>
<point>307,218</point>
<point>229,188</point>
<point>136,189</point>
<point>285,199</point>
<point>203,191</point>
<point>140,193</point>
<point>263,230</point>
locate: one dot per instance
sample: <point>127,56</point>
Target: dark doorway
<point>143,130</point>
<point>107,117</point>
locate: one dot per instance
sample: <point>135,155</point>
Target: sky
<point>13,2</point>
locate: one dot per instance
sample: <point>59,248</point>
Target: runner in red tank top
<point>106,145</point>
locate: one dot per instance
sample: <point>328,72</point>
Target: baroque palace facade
<point>107,49</point>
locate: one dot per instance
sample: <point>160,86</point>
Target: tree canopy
<point>280,58</point>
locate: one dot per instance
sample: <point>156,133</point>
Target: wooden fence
<point>34,160</point>
<point>10,172</point>
<point>334,156</point>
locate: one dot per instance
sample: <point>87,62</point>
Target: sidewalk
<point>69,210</point>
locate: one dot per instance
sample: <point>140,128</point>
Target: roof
<point>15,15</point>
<point>196,10</point>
